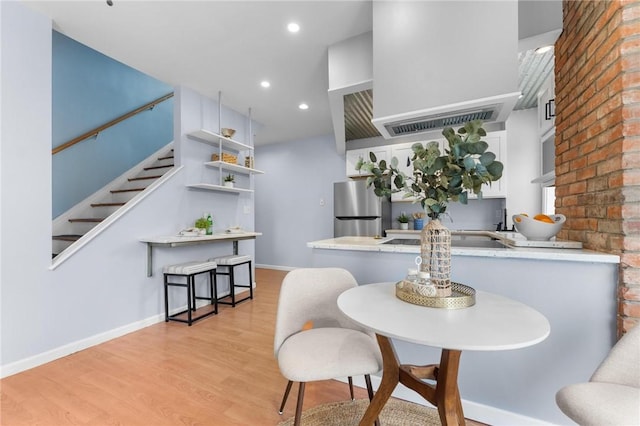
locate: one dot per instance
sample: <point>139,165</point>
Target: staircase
<point>74,224</point>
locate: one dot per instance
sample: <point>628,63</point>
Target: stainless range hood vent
<point>409,127</point>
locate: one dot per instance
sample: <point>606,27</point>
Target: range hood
<point>439,63</point>
<point>495,109</point>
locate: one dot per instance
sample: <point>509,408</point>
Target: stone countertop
<point>377,245</point>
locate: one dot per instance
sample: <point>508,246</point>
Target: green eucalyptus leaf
<point>469,163</point>
<point>383,165</point>
<point>487,158</point>
<point>463,197</point>
<point>495,169</point>
<point>394,163</point>
<point>372,157</point>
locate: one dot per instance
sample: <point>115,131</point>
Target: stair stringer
<point>60,223</point>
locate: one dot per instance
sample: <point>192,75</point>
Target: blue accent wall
<point>90,89</point>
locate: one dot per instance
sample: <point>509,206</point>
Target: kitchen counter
<point>562,284</point>
<point>378,245</point>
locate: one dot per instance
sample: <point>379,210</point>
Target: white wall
<point>288,211</point>
<point>102,291</point>
<point>523,157</point>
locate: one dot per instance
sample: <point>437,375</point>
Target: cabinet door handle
<point>549,109</point>
<point>546,111</point>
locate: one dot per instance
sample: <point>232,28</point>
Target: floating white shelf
<point>220,188</point>
<point>233,167</point>
<point>214,139</point>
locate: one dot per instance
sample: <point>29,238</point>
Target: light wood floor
<point>219,371</point>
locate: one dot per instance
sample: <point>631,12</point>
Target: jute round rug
<point>346,413</point>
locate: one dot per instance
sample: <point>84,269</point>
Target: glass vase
<point>435,250</point>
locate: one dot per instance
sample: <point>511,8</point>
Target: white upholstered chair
<point>612,395</point>
<point>333,347</point>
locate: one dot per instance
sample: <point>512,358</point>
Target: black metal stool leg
<point>232,285</point>
<point>189,286</point>
<point>166,299</point>
<point>250,281</point>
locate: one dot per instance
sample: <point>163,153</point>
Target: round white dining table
<point>493,323</point>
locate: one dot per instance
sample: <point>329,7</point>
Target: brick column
<point>598,136</point>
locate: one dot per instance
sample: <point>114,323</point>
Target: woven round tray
<point>462,296</point>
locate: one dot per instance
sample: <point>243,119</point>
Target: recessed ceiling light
<point>544,49</point>
<point>303,106</point>
<point>293,27</point>
<point>265,84</point>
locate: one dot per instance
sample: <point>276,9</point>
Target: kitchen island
<point>575,289</point>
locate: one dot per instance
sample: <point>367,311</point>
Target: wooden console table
<point>179,241</point>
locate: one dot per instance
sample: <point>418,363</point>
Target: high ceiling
<point>228,46</point>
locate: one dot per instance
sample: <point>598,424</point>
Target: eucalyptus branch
<point>439,178</point>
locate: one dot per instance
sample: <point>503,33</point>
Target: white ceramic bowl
<point>537,230</point>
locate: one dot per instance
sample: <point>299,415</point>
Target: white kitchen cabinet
<point>354,155</point>
<point>546,107</point>
<point>498,145</point>
<point>547,130</point>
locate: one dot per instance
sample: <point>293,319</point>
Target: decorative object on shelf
<point>418,221</point>
<point>228,180</point>
<point>227,132</point>
<point>403,219</point>
<point>541,227</point>
<point>209,224</point>
<point>437,180</point>
<point>248,162</point>
<point>227,158</point>
<point>202,224</point>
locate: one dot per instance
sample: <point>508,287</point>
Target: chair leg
<point>351,388</point>
<point>296,421</point>
<point>367,379</point>
<point>286,395</point>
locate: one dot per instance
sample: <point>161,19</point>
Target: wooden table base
<point>444,394</point>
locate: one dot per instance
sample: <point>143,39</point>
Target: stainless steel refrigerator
<point>358,211</point>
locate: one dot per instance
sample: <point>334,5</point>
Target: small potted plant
<point>228,180</point>
<point>403,219</point>
<point>202,224</point>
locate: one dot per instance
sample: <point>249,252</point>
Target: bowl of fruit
<point>541,227</point>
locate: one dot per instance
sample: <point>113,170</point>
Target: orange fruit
<point>543,218</point>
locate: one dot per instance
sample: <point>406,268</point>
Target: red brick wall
<point>598,136</point>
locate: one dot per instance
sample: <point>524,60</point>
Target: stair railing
<point>99,129</point>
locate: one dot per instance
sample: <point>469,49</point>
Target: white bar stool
<point>189,270</point>
<point>231,262</point>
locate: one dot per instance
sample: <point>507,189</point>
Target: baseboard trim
<point>276,267</point>
<point>472,410</point>
<point>62,351</point>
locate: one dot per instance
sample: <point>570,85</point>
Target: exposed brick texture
<point>598,136</point>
